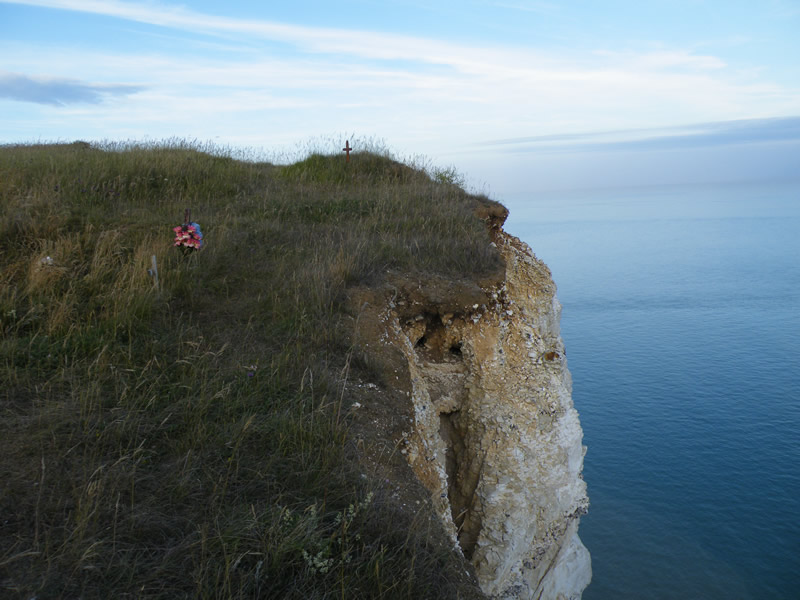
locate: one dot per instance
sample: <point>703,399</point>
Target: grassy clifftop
<point>191,440</point>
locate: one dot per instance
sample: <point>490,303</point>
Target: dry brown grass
<point>143,454</point>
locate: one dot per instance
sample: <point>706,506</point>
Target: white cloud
<point>668,59</point>
<point>365,44</point>
<point>408,89</point>
<point>58,91</point>
<point>546,8</point>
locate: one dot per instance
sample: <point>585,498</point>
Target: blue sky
<point>519,95</point>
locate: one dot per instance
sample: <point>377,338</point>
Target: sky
<point>518,95</point>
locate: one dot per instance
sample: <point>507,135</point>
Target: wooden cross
<point>347,149</point>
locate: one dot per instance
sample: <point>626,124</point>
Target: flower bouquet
<point>188,236</point>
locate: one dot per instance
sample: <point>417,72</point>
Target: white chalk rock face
<point>497,440</point>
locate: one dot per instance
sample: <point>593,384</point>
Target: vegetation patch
<point>190,439</point>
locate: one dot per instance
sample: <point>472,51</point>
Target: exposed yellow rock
<point>494,436</point>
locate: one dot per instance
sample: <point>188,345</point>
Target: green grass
<point>167,443</point>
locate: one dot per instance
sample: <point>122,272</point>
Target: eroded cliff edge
<point>491,432</point>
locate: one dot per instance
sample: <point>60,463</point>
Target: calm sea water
<point>682,327</point>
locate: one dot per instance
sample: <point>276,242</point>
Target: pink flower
<point>188,236</point>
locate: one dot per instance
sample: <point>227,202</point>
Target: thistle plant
<point>335,545</point>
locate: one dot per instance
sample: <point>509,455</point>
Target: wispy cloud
<point>700,135</point>
<point>528,6</point>
<point>665,59</point>
<point>291,81</point>
<point>366,44</point>
<point>59,92</point>
<point>372,45</point>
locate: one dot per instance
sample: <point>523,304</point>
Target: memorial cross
<point>347,149</point>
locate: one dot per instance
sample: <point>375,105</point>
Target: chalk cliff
<point>491,430</point>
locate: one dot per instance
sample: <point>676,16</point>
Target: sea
<point>681,319</point>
